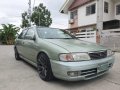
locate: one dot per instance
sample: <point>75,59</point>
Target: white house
<point>90,15</point>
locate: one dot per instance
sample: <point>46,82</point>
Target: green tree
<point>41,16</point>
<point>25,22</point>
<point>8,33</point>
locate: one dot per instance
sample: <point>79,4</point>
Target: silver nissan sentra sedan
<point>58,54</point>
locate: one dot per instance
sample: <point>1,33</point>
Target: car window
<point>21,36</point>
<point>30,32</point>
<point>50,33</point>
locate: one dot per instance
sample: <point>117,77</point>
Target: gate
<point>111,39</point>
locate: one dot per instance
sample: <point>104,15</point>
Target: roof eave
<point>66,5</point>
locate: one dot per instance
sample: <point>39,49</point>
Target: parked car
<point>58,54</point>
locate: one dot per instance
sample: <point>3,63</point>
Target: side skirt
<point>29,61</point>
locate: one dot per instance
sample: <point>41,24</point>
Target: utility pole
<point>100,19</point>
<point>29,12</point>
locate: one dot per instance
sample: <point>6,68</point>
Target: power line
<point>11,17</point>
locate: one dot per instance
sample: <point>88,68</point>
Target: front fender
<point>50,49</point>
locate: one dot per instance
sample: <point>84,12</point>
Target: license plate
<point>103,67</point>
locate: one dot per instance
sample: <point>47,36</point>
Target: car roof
<point>39,27</point>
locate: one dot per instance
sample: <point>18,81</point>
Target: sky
<point>10,11</point>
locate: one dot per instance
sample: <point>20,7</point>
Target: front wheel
<point>17,57</point>
<point>44,67</point>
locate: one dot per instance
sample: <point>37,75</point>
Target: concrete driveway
<point>18,75</point>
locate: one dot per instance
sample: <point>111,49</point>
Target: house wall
<point>84,20</point>
<point>111,12</point>
<point>75,24</point>
<point>98,18</point>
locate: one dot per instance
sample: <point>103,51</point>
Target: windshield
<point>50,33</point>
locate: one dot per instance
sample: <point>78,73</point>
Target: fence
<point>89,36</point>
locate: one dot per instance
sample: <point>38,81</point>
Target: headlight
<point>109,52</point>
<point>81,56</point>
<point>74,57</point>
<point>66,57</point>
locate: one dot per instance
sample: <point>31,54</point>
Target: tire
<point>44,67</point>
<point>17,57</point>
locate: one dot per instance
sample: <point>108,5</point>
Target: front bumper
<point>88,69</point>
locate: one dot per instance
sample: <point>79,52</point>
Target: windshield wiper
<point>50,38</point>
<point>67,38</point>
<point>60,38</point>
<point>71,38</point>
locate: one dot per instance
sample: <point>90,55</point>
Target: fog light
<point>73,73</point>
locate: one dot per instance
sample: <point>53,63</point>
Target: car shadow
<point>28,64</point>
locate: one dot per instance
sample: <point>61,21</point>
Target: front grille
<point>89,73</point>
<point>98,55</point>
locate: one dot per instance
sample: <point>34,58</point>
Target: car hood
<point>76,45</point>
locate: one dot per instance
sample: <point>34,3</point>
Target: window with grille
<point>106,7</point>
<point>73,14</point>
<point>118,9</point>
<point>90,9</point>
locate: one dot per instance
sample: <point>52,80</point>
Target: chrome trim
<point>97,51</point>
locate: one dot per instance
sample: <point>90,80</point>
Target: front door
<point>20,43</point>
<point>30,45</point>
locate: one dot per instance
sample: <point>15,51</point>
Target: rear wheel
<point>17,57</point>
<point>44,67</point>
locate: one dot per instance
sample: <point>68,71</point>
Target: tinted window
<point>21,36</point>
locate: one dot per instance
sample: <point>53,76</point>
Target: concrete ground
<point>18,75</point>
